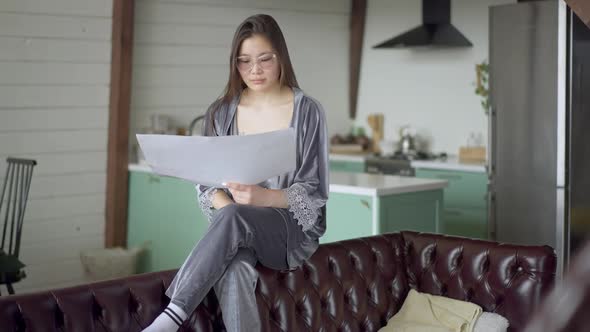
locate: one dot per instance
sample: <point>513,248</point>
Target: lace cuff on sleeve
<point>206,202</point>
<point>302,206</point>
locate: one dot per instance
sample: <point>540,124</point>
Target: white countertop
<point>451,164</point>
<point>349,157</point>
<point>333,156</point>
<point>140,168</point>
<point>379,184</point>
<point>362,183</point>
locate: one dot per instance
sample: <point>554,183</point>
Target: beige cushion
<point>423,312</point>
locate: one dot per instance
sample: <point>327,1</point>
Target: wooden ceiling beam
<point>358,13</point>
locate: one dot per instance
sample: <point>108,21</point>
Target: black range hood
<point>436,29</point>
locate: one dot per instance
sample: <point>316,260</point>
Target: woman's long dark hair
<point>266,26</point>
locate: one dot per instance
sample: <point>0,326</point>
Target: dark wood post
<point>118,133</point>
<point>357,28</point>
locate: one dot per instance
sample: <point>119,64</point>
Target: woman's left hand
<point>250,194</point>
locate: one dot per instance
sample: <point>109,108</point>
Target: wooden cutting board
<point>375,121</point>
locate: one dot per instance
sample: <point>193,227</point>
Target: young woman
<point>277,222</point>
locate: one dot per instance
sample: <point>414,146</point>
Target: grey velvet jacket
<point>307,187</point>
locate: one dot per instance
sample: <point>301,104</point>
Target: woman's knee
<point>241,268</point>
<point>243,263</point>
<point>229,211</point>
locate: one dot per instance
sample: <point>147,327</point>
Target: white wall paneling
<point>54,81</point>
<point>181,54</point>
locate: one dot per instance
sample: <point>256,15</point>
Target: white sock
<point>169,320</point>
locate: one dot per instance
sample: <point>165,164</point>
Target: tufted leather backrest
<point>506,279</point>
<point>115,305</point>
<point>126,304</point>
<point>353,285</point>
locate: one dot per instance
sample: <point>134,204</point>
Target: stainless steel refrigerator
<point>539,126</point>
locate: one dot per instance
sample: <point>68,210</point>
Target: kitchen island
<point>165,211</point>
<point>362,204</point>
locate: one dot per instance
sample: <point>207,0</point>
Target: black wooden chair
<point>13,202</point>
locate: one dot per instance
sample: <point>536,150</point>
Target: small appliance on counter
<point>395,158</point>
<point>398,163</point>
<point>406,144</point>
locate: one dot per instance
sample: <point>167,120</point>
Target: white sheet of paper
<point>212,160</point>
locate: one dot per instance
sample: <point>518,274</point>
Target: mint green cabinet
<point>417,211</point>
<point>465,221</point>
<point>465,209</point>
<point>165,212</point>
<point>347,166</point>
<point>351,215</point>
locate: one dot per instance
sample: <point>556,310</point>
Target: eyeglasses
<point>265,61</point>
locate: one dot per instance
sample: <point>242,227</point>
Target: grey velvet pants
<point>238,237</point>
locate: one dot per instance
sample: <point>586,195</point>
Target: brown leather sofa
<point>353,285</point>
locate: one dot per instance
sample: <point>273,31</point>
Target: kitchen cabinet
<point>370,204</point>
<point>348,162</point>
<point>465,209</point>
<point>351,216</point>
<point>165,212</point>
<point>347,166</point>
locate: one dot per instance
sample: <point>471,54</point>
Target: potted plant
<point>475,152</point>
<point>482,71</point>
